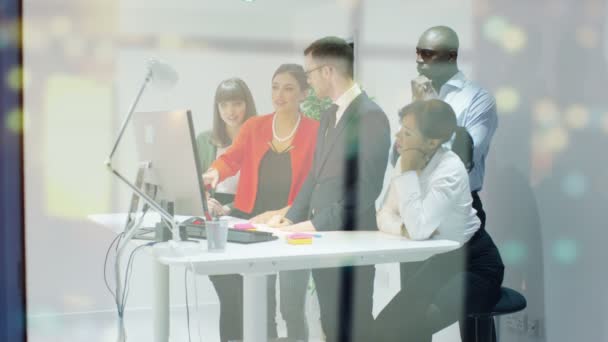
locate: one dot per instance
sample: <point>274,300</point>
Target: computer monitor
<point>166,139</point>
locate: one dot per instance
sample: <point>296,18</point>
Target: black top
<point>274,181</point>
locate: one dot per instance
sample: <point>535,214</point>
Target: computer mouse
<point>194,221</point>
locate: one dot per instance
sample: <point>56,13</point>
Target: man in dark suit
<point>346,178</point>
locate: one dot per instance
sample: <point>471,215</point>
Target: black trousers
<point>229,289</point>
<point>345,300</point>
<point>478,206</point>
<point>442,290</point>
<point>293,286</point>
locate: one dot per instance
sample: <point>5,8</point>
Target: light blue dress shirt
<point>475,110</point>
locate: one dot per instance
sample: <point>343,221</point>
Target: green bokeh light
<point>574,184</point>
<point>9,33</point>
<point>14,122</point>
<point>513,252</point>
<point>507,100</point>
<point>14,78</point>
<point>565,251</point>
<point>3,39</point>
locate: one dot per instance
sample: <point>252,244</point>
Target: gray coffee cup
<point>217,235</point>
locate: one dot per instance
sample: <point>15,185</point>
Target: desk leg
<point>254,308</point>
<point>161,302</point>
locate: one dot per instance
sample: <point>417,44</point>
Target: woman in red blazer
<point>274,155</point>
<point>273,152</point>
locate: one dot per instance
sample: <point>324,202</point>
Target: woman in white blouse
<point>428,197</point>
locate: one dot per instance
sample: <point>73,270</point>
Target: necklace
<point>274,130</point>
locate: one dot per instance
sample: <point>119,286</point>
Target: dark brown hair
<point>436,120</point>
<point>232,89</point>
<point>295,70</point>
<point>336,48</point>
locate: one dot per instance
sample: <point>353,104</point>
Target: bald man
<point>475,108</point>
<point>436,59</point>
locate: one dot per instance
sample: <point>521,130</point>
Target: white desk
<point>333,249</point>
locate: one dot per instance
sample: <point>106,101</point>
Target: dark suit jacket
<point>347,172</point>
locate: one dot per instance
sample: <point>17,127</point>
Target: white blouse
<point>436,204</point>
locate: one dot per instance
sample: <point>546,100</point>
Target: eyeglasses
<point>427,54</point>
<point>307,72</point>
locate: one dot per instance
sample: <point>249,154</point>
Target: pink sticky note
<point>300,236</point>
<point>244,226</point>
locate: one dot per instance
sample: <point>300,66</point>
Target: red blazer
<point>250,146</point>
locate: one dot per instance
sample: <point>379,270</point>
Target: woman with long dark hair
<point>232,106</point>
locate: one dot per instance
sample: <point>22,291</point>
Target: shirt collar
<point>435,159</point>
<point>345,99</point>
<point>458,80</point>
<point>430,166</point>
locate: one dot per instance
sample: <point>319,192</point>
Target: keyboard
<point>234,235</point>
<point>194,228</point>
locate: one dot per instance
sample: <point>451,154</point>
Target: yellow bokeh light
<point>77,130</point>
<point>14,121</point>
<point>576,117</point>
<point>555,139</point>
<point>545,112</point>
<point>495,28</point>
<point>507,100</point>
<point>587,37</point>
<point>17,78</point>
<point>514,39</point>
<point>13,79</point>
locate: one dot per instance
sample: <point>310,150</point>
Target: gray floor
<point>101,326</point>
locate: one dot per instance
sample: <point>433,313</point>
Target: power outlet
<point>534,327</point>
<point>517,322</point>
<point>509,322</point>
<point>521,322</point>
